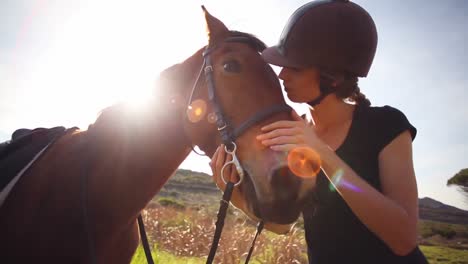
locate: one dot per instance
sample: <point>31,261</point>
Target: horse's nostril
<point>285,184</point>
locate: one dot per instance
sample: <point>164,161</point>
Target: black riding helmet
<point>336,36</point>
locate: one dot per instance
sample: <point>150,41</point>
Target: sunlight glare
<point>304,162</point>
<point>97,58</point>
<point>196,111</point>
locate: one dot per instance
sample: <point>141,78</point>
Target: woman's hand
<point>230,174</point>
<point>287,135</point>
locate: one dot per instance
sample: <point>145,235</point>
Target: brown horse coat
<point>80,200</point>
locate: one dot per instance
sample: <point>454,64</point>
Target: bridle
<point>227,132</point>
<point>228,135</point>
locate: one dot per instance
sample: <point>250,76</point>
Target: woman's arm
<point>392,215</point>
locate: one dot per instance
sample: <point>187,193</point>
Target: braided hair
<point>348,89</point>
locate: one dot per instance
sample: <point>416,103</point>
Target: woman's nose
<point>283,73</point>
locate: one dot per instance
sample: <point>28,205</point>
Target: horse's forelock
<point>179,75</point>
<point>176,71</point>
<point>255,42</point>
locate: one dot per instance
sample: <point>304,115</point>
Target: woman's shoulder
<point>383,112</point>
<point>384,115</point>
<point>387,122</point>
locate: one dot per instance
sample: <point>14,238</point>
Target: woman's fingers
<point>279,124</point>
<point>285,123</point>
<point>282,136</point>
<point>220,160</point>
<point>213,161</point>
<point>279,132</point>
<point>282,140</point>
<point>227,170</point>
<point>230,172</point>
<point>217,163</point>
<point>233,176</point>
<point>284,147</point>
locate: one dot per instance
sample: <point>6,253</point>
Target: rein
<point>228,136</point>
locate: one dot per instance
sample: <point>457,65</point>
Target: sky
<point>61,62</point>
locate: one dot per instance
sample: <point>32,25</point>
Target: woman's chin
<point>294,99</point>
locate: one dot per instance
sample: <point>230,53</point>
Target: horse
<point>79,201</point>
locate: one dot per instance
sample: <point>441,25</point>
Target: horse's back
<point>24,145</point>
<point>40,218</point>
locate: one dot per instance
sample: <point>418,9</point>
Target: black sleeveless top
<point>333,233</point>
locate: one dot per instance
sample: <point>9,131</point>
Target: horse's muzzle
<point>286,205</point>
<point>285,184</point>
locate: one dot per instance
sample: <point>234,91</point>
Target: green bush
<point>429,228</point>
<point>171,202</point>
<point>461,178</point>
<point>447,232</point>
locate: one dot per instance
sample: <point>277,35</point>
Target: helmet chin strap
<point>324,91</point>
<point>327,85</point>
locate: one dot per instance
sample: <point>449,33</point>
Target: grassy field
<point>180,225</point>
<point>445,255</point>
<point>435,255</point>
<point>184,234</point>
<point>161,257</point>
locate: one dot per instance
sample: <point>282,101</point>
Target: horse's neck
<point>135,155</point>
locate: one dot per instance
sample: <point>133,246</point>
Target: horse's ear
<point>215,28</point>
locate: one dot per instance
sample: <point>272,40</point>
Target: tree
<point>461,181</point>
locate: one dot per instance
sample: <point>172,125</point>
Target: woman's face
<point>301,85</point>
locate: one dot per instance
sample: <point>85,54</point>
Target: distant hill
<point>430,209</point>
<point>198,188</point>
<point>191,181</point>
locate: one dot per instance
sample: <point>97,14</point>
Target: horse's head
<point>228,93</point>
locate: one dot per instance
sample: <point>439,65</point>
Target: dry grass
<point>185,236</point>
<point>189,233</point>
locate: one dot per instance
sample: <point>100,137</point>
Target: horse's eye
<point>232,66</point>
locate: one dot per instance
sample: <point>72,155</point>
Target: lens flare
<point>212,118</point>
<point>304,162</point>
<point>196,110</point>
<point>338,181</point>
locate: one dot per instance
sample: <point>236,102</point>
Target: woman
<point>364,208</point>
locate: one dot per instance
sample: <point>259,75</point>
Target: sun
<point>106,52</point>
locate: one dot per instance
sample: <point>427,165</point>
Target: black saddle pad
<point>21,149</point>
